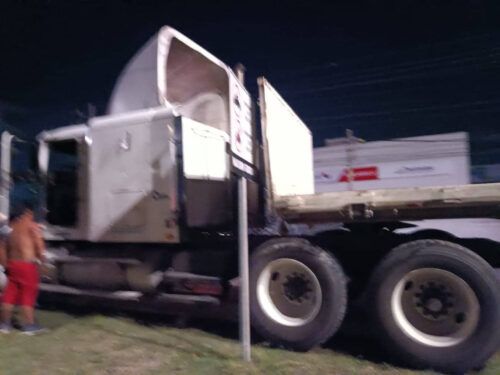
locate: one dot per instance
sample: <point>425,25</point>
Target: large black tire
<point>324,308</point>
<point>410,312</point>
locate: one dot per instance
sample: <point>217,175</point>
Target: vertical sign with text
<point>241,129</point>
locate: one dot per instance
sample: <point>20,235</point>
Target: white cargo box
<point>434,160</point>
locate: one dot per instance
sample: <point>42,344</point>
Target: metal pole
<point>244,300</point>
<point>244,278</point>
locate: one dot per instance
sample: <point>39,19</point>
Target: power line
<point>378,124</point>
<point>485,56</point>
<point>399,140</point>
<point>467,58</point>
<point>399,52</point>
<point>408,110</point>
<point>347,104</point>
<point>368,82</point>
<point>381,92</point>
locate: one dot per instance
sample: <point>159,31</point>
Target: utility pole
<point>350,157</point>
<point>351,140</point>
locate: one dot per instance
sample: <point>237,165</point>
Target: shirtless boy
<point>20,254</point>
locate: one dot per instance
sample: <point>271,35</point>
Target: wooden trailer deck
<point>393,204</point>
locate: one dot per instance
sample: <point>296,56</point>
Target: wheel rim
<point>288,292</point>
<point>435,307</point>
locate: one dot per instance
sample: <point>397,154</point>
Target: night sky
<point>382,68</point>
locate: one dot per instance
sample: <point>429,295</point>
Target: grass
<point>98,344</point>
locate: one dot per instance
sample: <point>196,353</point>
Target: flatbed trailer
<point>138,208</point>
<point>393,204</point>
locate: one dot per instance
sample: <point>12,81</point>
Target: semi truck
<point>139,208</point>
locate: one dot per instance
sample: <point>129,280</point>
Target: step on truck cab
<point>139,211</point>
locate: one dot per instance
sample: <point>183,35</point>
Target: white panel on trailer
<point>434,160</point>
<point>288,143</point>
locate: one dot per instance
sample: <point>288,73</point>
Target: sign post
<point>244,299</point>
<point>242,161</point>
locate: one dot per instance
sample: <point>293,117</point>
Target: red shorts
<point>22,285</point>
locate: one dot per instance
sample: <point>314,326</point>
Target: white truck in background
<point>430,160</point>
<point>139,210</point>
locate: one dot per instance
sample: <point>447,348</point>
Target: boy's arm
<point>4,234</point>
<point>39,242</point>
<point>3,253</point>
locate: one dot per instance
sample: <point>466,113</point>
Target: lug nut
<point>409,285</point>
<point>460,318</point>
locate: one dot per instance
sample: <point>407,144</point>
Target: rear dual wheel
<point>437,305</point>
